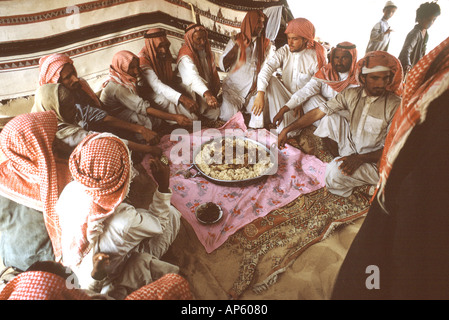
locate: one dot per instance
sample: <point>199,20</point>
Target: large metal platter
<point>235,183</point>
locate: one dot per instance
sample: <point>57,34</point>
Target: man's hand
<point>349,164</point>
<point>259,103</point>
<point>282,138</point>
<point>297,111</point>
<point>150,136</point>
<point>211,101</point>
<point>279,117</point>
<point>161,173</point>
<point>183,121</point>
<point>189,103</point>
<point>154,150</point>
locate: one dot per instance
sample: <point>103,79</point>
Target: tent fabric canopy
<point>91,32</point>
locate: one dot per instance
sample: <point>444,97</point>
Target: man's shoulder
<point>284,50</point>
<point>378,24</point>
<point>309,52</point>
<point>415,32</point>
<point>393,97</point>
<point>390,101</point>
<point>182,58</point>
<point>110,86</point>
<point>352,91</point>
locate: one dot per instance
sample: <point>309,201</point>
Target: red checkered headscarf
<point>148,55</point>
<point>375,59</point>
<point>305,29</point>
<point>50,71</point>
<point>170,287</point>
<point>188,50</point>
<point>30,174</point>
<point>331,77</point>
<point>244,38</point>
<point>40,285</point>
<point>50,67</point>
<point>118,70</point>
<point>427,80</point>
<point>102,164</point>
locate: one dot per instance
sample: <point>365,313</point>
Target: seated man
<point>159,77</point>
<point>357,121</point>
<point>95,219</point>
<point>198,71</point>
<point>299,60</point>
<point>331,79</point>
<point>242,59</point>
<point>75,121</point>
<point>58,68</point>
<point>120,95</point>
<point>31,178</point>
<point>404,235</point>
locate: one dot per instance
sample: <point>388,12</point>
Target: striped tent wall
<point>92,32</point>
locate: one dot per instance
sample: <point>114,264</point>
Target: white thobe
<point>237,84</point>
<point>379,40</point>
<point>359,124</point>
<point>77,135</point>
<point>315,88</point>
<point>128,231</point>
<point>297,69</point>
<point>196,85</point>
<point>132,107</point>
<point>164,96</point>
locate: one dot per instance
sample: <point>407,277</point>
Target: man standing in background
<point>415,44</point>
<point>380,34</point>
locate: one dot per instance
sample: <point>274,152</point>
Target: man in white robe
<point>242,59</point>
<point>380,34</point>
<point>331,79</point>
<point>159,77</point>
<point>95,220</point>
<point>196,66</point>
<point>298,60</point>
<point>356,123</point>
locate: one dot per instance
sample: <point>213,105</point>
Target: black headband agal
<point>193,26</point>
<point>346,47</point>
<point>158,34</point>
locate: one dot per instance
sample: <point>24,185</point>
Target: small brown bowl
<point>208,213</point>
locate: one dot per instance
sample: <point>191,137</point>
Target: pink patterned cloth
<point>298,173</point>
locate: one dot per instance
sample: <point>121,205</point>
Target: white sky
<point>352,20</point>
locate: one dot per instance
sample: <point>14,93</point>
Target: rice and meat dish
<point>233,158</point>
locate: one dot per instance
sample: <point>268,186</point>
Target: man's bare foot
<point>100,262</point>
<point>332,146</point>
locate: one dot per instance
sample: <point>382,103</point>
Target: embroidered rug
<point>272,243</point>
<point>297,174</point>
<point>254,257</point>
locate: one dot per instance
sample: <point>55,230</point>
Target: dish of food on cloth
<point>233,158</point>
